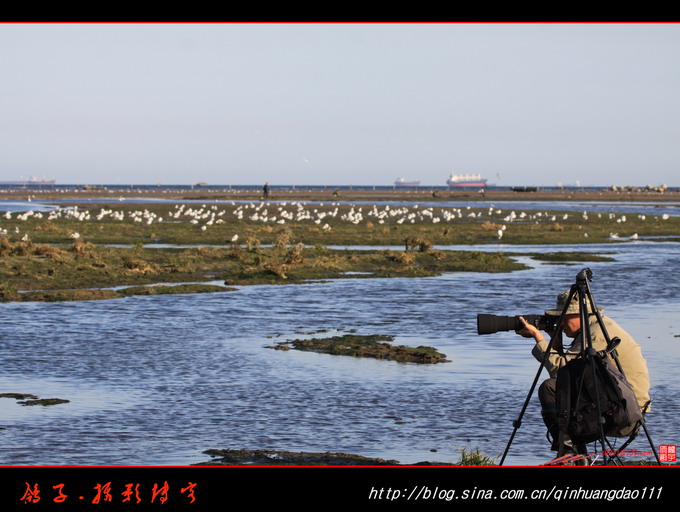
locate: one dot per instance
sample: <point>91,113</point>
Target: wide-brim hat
<point>573,308</point>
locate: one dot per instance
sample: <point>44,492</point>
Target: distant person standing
<point>265,190</point>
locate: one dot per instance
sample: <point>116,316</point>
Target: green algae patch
<point>61,295</point>
<point>85,271</point>
<point>286,458</point>
<point>44,401</point>
<point>299,264</point>
<point>376,346</point>
<point>87,294</point>
<point>173,289</point>
<point>18,396</point>
<point>568,257</point>
<point>28,399</point>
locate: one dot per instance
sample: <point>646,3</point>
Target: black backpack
<point>577,411</point>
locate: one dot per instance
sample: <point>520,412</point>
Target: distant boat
<point>401,182</point>
<point>33,181</point>
<point>467,180</point>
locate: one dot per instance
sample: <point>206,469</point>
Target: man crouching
<point>629,353</point>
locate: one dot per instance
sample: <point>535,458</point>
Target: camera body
<point>490,324</point>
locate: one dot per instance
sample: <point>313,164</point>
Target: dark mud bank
<point>376,346</point>
<point>285,458</point>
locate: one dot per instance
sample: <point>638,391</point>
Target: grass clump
<point>417,243</point>
<point>475,458</point>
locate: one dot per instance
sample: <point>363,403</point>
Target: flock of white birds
<point>297,212</point>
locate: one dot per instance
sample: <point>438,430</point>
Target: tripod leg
<point>651,444</point>
<point>518,422</point>
<point>615,357</point>
<point>553,340</point>
<point>587,350</point>
<point>614,453</point>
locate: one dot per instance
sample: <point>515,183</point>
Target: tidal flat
<point>81,271</point>
<point>252,223</point>
<point>104,251</point>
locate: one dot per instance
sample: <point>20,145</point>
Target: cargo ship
<point>401,182</point>
<point>467,180</point>
<point>32,182</point>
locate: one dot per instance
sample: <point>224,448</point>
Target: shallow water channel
<point>156,380</point>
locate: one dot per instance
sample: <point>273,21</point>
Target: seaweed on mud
<point>44,401</point>
<point>376,346</point>
<point>28,399</point>
<point>234,457</point>
<point>18,396</point>
<point>173,289</point>
<point>568,257</point>
<point>286,458</point>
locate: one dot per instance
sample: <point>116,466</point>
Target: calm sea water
<point>157,380</point>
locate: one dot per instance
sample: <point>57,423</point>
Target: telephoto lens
<point>490,324</point>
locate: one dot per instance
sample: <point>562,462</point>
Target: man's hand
<point>529,331</point>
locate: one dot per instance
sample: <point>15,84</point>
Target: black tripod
<point>582,290</point>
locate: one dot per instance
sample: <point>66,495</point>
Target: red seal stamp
<point>667,453</point>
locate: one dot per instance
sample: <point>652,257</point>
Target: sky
<point>540,104</point>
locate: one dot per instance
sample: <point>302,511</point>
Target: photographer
<point>630,356</point>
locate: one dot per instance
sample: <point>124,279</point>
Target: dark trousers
<point>547,395</point>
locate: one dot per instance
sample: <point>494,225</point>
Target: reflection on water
<point>158,379</point>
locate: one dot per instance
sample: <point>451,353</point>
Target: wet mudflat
<point>50,252</point>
